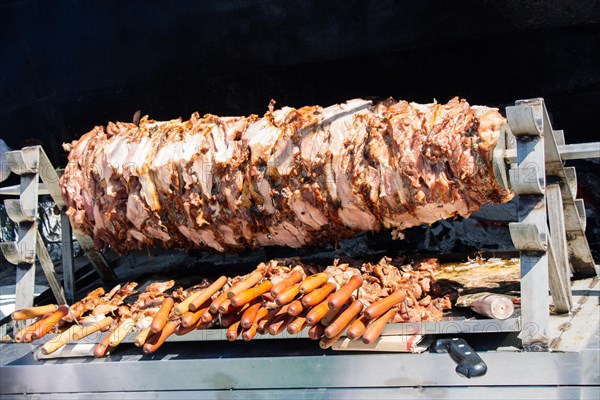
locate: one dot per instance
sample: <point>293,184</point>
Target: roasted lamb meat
<point>294,177</point>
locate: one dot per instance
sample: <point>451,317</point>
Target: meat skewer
<point>143,337</point>
<point>191,318</point>
<point>252,279</point>
<point>121,331</point>
<point>233,331</point>
<point>243,298</point>
<point>160,318</point>
<point>339,298</point>
<point>333,313</point>
<point>295,177</point>
<point>295,308</point>
<point>207,293</point>
<point>249,333</point>
<point>357,328</point>
<point>316,331</point>
<point>280,324</point>
<point>288,295</point>
<point>317,313</point>
<point>24,335</point>
<point>33,312</point>
<point>92,328</point>
<point>344,319</point>
<point>326,342</point>
<point>184,306</point>
<point>249,316</point>
<point>313,282</point>
<point>295,277</point>
<point>318,295</point>
<point>181,330</point>
<point>42,327</point>
<point>226,307</point>
<point>207,316</point>
<point>272,317</point>
<point>102,348</point>
<point>214,306</point>
<point>383,305</point>
<point>74,333</point>
<point>376,327</point>
<point>62,339</point>
<point>296,325</point>
<point>159,338</point>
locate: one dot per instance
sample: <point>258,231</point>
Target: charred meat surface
<point>294,177</point>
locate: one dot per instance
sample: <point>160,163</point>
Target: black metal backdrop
<point>66,66</point>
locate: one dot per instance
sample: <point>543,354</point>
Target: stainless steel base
<point>447,393</point>
<point>290,367</point>
<point>297,368</point>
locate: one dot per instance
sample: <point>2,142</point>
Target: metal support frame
<point>100,264</point>
<point>203,367</point>
<point>32,163</point>
<point>550,231</point>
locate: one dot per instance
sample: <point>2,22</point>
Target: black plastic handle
<point>469,363</point>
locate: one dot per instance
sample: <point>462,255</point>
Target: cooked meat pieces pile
<point>278,296</point>
<point>294,177</point>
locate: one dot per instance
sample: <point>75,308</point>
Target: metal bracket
<point>24,161</point>
<point>500,170</point>
<point>526,117</point>
<point>528,177</point>
<point>527,237</point>
<point>15,211</point>
<point>550,232</point>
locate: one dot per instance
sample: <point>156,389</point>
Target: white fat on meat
<point>222,151</point>
<point>282,158</point>
<point>191,235</point>
<point>114,157</point>
<point>163,165</point>
<point>136,211</point>
<point>261,136</point>
<point>307,213</point>
<point>137,235</point>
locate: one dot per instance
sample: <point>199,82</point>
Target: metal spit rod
<point>575,151</point>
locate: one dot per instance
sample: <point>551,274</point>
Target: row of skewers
<point>278,296</point>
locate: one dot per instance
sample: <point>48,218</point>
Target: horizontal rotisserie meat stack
<point>294,177</point>
<point>276,297</point>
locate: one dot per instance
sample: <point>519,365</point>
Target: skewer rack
<point>529,159</point>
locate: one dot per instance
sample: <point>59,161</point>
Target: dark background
<point>66,66</point>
